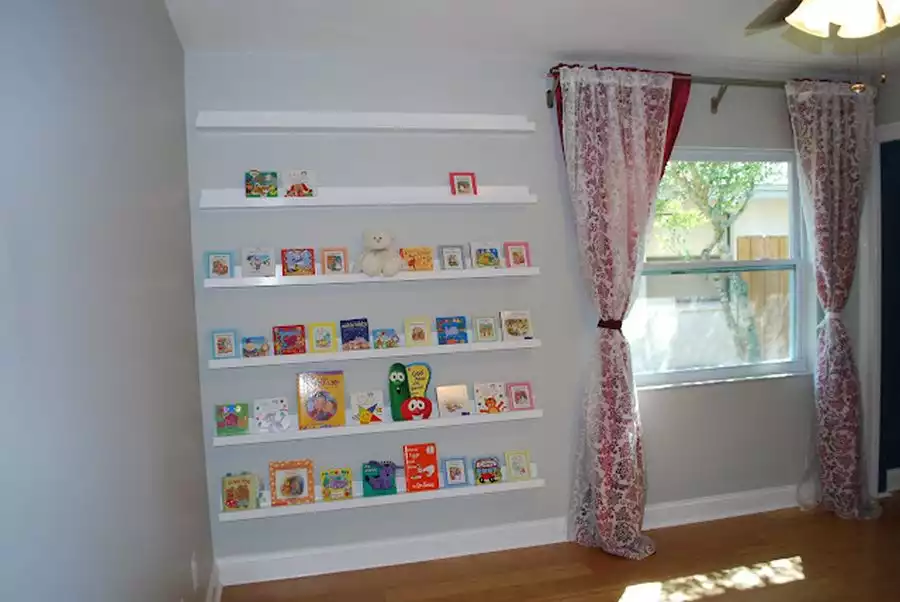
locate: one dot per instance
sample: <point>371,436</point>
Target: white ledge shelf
<point>312,121</point>
<point>384,427</point>
<point>384,500</point>
<point>369,354</point>
<point>359,196</point>
<point>359,278</point>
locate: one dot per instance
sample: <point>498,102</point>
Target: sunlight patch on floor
<point>715,583</point>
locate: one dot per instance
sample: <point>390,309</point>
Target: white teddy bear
<point>379,259</point>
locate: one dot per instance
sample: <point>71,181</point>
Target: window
<point>722,283</point>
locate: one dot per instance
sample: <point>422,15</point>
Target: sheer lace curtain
<point>834,135</point>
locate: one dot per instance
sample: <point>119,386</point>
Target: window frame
<point>803,305</point>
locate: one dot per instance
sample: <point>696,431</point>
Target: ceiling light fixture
<point>856,18</point>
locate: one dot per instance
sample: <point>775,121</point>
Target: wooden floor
<point>780,556</point>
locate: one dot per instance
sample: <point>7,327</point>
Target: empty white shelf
<point>359,196</point>
<point>383,427</point>
<point>359,278</point>
<point>329,120</point>
<point>368,354</point>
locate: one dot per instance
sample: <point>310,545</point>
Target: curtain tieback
<point>833,314</point>
<point>610,324</point>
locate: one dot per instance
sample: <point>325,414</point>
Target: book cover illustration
<point>271,415</point>
<point>516,325</point>
<point>453,400</point>
<point>421,467</point>
<point>323,337</point>
<point>418,332</point>
<point>486,255</point>
<point>520,396</point>
<point>379,478</point>
<point>487,329</point>
<point>385,338</point>
<point>257,262</point>
<point>219,264</point>
<point>487,470</point>
<point>518,465</point>
<point>337,484</point>
<point>239,492</point>
<point>232,419</point>
<point>334,260</point>
<point>452,257</point>
<point>490,398</point>
<point>320,397</point>
<point>455,472</point>
<point>417,259</point>
<point>355,334</point>
<point>224,344</point>
<point>289,340</point>
<point>260,183</point>
<point>298,262</point>
<point>254,347</point>
<point>518,254</point>
<point>291,482</point>
<point>367,407</point>
<point>451,330</point>
<point>300,183</point>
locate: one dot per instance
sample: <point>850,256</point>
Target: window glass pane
<point>722,210</point>
<point>711,320</point>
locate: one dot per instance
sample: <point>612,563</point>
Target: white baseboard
<point>893,480</point>
<point>234,570</point>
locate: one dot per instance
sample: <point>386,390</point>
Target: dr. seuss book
<point>366,407</point>
<point>298,262</point>
<point>323,337</point>
<point>337,484</point>
<point>453,400</point>
<point>271,415</point>
<point>320,399</point>
<point>418,331</point>
<point>379,478</point>
<point>355,334</point>
<point>486,329</point>
<point>261,183</point>
<point>417,259</point>
<point>257,262</point>
<point>239,492</point>
<point>490,398</point>
<point>232,419</point>
<point>385,338</point>
<point>300,183</point>
<point>520,396</point>
<point>516,325</point>
<point>289,340</point>
<point>452,330</point>
<point>421,466</point>
<point>486,255</point>
<point>254,347</point>
<point>291,482</point>
<point>219,264</point>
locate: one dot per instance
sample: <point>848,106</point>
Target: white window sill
<point>718,381</point>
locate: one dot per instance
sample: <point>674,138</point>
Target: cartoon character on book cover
<point>320,397</point>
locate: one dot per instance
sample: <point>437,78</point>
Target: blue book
<point>452,330</point>
<point>355,334</point>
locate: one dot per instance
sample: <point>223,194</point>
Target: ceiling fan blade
<point>773,16</point>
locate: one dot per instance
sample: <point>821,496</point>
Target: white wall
<point>889,100</point>
<point>102,459</point>
<point>700,440</point>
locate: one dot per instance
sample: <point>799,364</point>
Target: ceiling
<point>688,31</point>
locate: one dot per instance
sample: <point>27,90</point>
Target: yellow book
<point>320,399</point>
<point>323,337</point>
<point>418,331</point>
<point>418,259</point>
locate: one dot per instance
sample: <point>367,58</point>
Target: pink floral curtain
<point>833,136</point>
<point>614,126</point>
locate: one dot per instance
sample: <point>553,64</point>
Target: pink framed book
<point>518,254</point>
<point>519,396</point>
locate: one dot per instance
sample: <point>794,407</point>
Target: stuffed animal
<point>379,259</point>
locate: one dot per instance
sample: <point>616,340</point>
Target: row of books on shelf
<point>321,403</point>
<point>293,482</point>
<point>355,335</point>
<point>304,183</point>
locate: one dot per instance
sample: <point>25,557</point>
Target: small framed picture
<point>518,465</point>
<point>257,261</point>
<point>298,262</point>
<point>453,257</point>
<point>462,183</point>
<point>224,344</point>
<point>254,347</point>
<point>291,482</point>
<point>487,329</point>
<point>334,260</point>
<point>486,255</point>
<point>518,254</point>
<point>455,472</point>
<point>519,396</point>
<point>300,183</point>
<point>219,264</point>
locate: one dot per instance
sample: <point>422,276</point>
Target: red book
<point>289,340</point>
<point>421,467</point>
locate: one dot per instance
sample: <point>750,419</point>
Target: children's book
<point>490,398</point>
<point>355,334</point>
<point>219,264</point>
<point>291,482</point>
<point>417,259</point>
<point>254,347</point>
<point>418,332</point>
<point>452,330</point>
<point>289,340</point>
<point>518,465</point>
<point>298,262</point>
<point>232,419</point>
<point>520,396</point>
<point>337,484</point>
<point>518,254</point>
<point>516,325</point>
<point>239,492</point>
<point>257,262</point>
<point>271,415</point>
<point>385,338</point>
<point>487,329</point>
<point>323,337</point>
<point>224,344</point>
<point>260,183</point>
<point>320,398</point>
<point>367,407</point>
<point>487,470</point>
<point>334,260</point>
<point>486,255</point>
<point>379,478</point>
<point>300,183</point>
<point>421,466</point>
<point>453,400</point>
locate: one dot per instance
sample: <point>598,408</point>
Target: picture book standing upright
<point>320,399</point>
<point>421,465</point>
